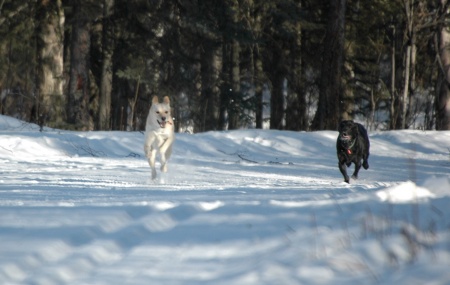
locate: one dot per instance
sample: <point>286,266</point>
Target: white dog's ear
<point>166,100</point>
<point>155,100</point>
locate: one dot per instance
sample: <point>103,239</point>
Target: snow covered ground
<point>238,207</point>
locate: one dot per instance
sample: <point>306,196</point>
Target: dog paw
<point>354,176</point>
<point>365,165</point>
<point>347,179</point>
<point>153,174</point>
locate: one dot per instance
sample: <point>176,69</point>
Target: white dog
<point>159,134</point>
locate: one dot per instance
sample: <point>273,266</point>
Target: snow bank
<point>408,191</point>
<point>404,192</point>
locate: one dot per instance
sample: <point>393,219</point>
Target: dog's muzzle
<point>345,137</point>
<point>162,123</point>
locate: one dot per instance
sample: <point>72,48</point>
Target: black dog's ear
<point>343,124</point>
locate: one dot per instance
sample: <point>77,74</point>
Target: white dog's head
<point>160,112</point>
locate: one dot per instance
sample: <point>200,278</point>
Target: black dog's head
<point>348,132</point>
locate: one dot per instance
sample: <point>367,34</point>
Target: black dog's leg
<point>366,162</point>
<point>357,168</point>
<point>343,169</point>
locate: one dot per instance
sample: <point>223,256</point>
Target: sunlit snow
<point>236,207</point>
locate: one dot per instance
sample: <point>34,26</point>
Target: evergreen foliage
<point>228,64</point>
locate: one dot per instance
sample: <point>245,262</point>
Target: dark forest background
<point>280,64</point>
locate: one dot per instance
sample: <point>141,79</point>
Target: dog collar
<point>349,149</point>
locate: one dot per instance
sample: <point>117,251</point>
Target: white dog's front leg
<point>163,163</point>
<point>151,161</point>
<point>148,144</point>
<point>150,152</point>
<point>165,152</point>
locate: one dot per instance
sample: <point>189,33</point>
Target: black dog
<point>352,145</point>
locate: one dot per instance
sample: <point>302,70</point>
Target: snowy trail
<point>242,207</point>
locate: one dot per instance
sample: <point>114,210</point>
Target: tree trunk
<point>255,14</point>
<point>405,91</point>
<point>224,88</point>
<point>296,118</point>
<point>210,68</point>
<point>258,83</point>
<point>78,103</point>
<point>104,120</point>
<point>235,76</point>
<point>198,114</point>
<point>407,59</point>
<point>443,90</point>
<point>49,75</point>
<point>233,104</point>
<point>348,96</point>
<point>392,113</point>
<point>278,76</point>
<point>330,87</point>
<point>131,110</point>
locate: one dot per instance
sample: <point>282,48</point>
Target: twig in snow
<point>133,154</point>
<point>246,159</point>
<point>7,149</point>
<point>87,149</point>
<point>241,156</point>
